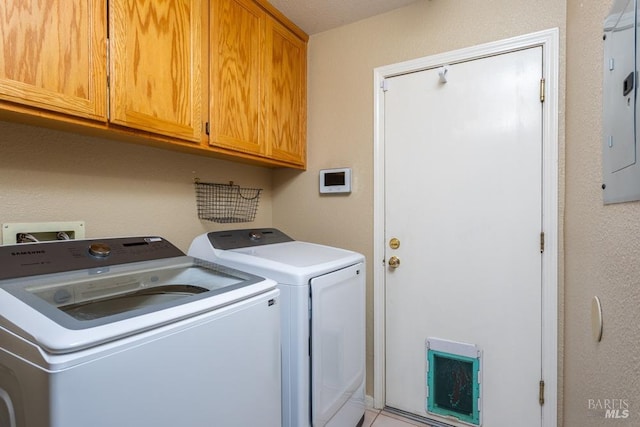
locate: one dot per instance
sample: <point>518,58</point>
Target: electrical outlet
<point>26,232</point>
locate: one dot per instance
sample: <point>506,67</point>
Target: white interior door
<point>463,195</point>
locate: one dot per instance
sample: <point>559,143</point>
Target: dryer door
<point>337,340</point>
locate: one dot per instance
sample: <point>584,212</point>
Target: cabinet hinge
<point>108,62</point>
<point>108,73</point>
<point>541,241</point>
<point>206,128</point>
<point>542,84</point>
<point>108,100</point>
<point>541,393</point>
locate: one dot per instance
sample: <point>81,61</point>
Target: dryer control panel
<point>236,239</point>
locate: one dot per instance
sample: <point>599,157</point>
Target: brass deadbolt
<point>394,243</point>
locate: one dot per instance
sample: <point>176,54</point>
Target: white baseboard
<point>368,402</point>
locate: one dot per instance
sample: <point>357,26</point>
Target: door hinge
<point>541,393</point>
<point>384,85</point>
<point>541,241</point>
<point>542,84</point>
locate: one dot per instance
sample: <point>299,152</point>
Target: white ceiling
<point>315,16</point>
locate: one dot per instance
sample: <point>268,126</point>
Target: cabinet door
<point>286,87</point>
<point>237,102</point>
<point>54,55</point>
<point>155,62</point>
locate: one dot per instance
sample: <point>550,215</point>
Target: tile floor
<point>375,418</point>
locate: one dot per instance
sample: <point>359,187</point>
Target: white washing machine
<point>323,320</point>
<point>131,332</point>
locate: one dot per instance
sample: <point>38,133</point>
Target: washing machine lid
<point>274,255</point>
<point>66,311</point>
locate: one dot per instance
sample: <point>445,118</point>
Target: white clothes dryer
<point>323,319</point>
<point>131,332</point>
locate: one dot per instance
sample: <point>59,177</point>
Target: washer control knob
<point>100,250</point>
<point>255,235</point>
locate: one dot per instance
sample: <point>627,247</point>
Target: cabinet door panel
<point>53,55</point>
<point>156,66</point>
<point>237,101</point>
<point>286,94</point>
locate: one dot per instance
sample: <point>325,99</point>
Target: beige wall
<point>602,243</point>
<point>340,128</point>
<point>118,189</point>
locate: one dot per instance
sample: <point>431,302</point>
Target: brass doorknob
<point>394,262</point>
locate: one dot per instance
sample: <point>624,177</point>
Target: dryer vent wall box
<point>621,171</point>
<point>335,181</point>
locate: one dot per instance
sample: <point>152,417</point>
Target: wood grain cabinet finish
<point>53,56</point>
<point>156,72</point>
<point>155,66</point>
<point>285,73</point>
<point>257,83</point>
<point>237,102</point>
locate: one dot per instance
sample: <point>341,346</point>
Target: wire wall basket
<point>226,203</point>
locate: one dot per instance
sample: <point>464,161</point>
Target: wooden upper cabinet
<point>156,66</point>
<point>158,71</point>
<point>53,56</point>
<point>257,83</point>
<point>237,104</point>
<point>285,73</point>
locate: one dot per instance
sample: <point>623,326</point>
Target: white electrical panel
<point>620,168</point>
<point>25,232</point>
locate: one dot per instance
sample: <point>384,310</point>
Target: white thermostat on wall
<point>335,181</point>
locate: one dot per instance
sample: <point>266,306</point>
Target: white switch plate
<point>42,231</point>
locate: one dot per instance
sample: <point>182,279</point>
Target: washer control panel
<point>33,259</point>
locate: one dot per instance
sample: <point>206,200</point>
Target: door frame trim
<point>549,40</point>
